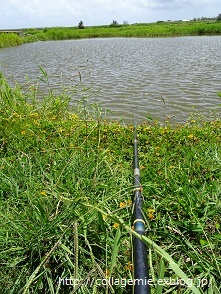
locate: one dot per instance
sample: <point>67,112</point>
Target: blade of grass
<point>159,288</point>
<point>115,249</point>
<point>34,274</point>
<point>173,265</point>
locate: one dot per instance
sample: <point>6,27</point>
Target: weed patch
<point>65,200</point>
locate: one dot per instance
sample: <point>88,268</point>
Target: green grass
<point>137,30</point>
<point>160,29</point>
<point>10,39</point>
<point>65,197</point>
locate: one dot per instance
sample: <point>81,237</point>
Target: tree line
<point>116,24</point>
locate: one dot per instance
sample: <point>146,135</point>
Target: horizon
<point>107,25</point>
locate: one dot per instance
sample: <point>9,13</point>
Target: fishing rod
<point>141,277</point>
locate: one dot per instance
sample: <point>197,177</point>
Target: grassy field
<point>65,198</point>
<point>8,40</point>
<point>161,29</point>
<point>138,30</point>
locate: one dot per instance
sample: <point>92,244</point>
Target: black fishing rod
<point>141,277</point>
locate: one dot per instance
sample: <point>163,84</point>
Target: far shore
<point>139,30</point>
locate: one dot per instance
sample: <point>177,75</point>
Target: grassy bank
<point>65,198</point>
<point>161,29</point>
<point>137,30</point>
<point>8,40</point>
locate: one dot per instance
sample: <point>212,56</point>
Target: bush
<point>219,17</point>
<point>7,40</point>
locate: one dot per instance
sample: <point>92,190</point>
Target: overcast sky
<point>16,14</point>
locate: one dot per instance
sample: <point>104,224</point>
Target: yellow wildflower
<point>191,136</point>
<point>43,193</point>
<point>123,204</point>
<point>35,114</point>
<point>23,132</point>
<point>116,225</point>
<point>150,216</point>
<point>74,116</point>
<point>129,267</point>
<point>150,213</point>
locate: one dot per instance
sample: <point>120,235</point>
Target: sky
<point>17,14</point>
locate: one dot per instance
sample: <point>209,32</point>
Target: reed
<point>159,29</point>
<point>8,40</point>
<point>172,29</point>
<point>60,170</point>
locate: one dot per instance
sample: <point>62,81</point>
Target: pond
<point>156,77</point>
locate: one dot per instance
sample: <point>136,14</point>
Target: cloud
<point>27,13</point>
<point>177,4</point>
<point>167,5</point>
<point>44,8</point>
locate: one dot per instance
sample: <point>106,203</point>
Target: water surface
<point>157,76</point>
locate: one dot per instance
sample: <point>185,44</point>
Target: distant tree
<point>81,25</point>
<point>126,23</point>
<point>114,23</point>
<point>219,17</point>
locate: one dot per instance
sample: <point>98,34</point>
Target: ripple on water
<point>124,72</point>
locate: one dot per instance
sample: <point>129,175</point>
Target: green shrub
<point>10,39</point>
